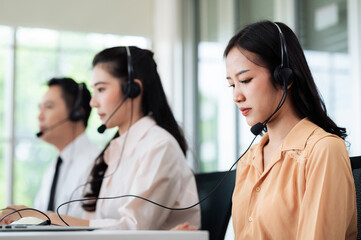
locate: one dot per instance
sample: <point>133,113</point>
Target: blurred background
<point>40,39</point>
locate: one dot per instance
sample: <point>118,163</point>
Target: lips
<point>101,115</point>
<point>245,111</point>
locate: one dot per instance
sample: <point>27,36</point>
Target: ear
<point>289,85</point>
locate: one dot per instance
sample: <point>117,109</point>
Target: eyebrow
<point>96,84</point>
<point>46,102</point>
<point>239,73</point>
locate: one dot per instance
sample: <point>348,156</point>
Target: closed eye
<point>231,86</point>
<point>246,81</point>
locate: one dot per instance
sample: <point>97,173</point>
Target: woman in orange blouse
<point>296,183</point>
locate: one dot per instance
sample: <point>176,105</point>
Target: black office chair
<point>216,210</point>
<point>356,172</point>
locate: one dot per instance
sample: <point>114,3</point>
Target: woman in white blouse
<point>146,157</point>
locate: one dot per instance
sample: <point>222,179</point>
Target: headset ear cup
<point>283,75</point>
<point>131,89</point>
<point>76,115</point>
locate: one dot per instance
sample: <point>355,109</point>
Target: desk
<point>107,235</point>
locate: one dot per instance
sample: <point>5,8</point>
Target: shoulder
<point>321,140</point>
<point>325,149</point>
<point>157,136</point>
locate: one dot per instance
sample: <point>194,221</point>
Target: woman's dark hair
<point>154,101</point>
<point>263,40</point>
<point>70,91</point>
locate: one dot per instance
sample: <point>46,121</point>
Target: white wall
<point>122,17</point>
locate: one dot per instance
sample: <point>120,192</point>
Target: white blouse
<point>152,166</point>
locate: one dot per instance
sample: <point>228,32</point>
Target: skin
<point>257,97</point>
<point>107,96</point>
<point>52,110</point>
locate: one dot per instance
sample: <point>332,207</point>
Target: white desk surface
<point>107,235</point>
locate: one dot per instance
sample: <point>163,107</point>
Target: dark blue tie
<point>53,185</point>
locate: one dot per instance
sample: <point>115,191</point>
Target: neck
<point>69,136</point>
<point>279,127</point>
<point>136,116</point>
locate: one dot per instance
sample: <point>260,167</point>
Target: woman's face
<point>107,95</point>
<point>253,91</point>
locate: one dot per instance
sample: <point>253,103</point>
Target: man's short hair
<point>70,91</point>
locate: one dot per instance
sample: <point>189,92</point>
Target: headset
<point>283,76</point>
<point>130,90</point>
<point>77,114</point>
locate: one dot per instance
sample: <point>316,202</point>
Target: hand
<point>25,213</point>
<point>184,227</point>
<point>11,218</point>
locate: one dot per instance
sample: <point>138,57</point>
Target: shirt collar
<point>297,137</point>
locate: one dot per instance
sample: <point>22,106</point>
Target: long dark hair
<point>263,40</point>
<point>154,102</point>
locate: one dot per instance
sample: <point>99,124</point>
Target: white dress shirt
<point>78,159</point>
<point>153,166</point>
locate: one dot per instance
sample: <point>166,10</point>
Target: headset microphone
<point>283,76</point>
<point>102,127</point>
<point>39,134</point>
<point>130,90</point>
<point>257,128</point>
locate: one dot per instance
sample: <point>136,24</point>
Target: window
<point>216,126</point>
<point>323,35</point>
<point>6,34</point>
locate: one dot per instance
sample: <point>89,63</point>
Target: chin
<point>251,122</point>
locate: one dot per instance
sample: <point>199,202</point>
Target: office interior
<point>40,39</point>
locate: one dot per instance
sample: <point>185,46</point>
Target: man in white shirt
<point>63,117</point>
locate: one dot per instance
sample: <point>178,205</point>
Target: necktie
<point>53,185</point>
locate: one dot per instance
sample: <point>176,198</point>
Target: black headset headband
<point>77,114</point>
<point>283,73</point>
<point>131,89</point>
<point>284,55</point>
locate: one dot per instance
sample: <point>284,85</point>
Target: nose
<point>93,103</point>
<point>41,116</point>
<point>238,95</point>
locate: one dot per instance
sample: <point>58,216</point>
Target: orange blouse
<point>306,192</point>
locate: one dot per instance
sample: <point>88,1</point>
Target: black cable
<point>11,209</point>
<point>23,209</point>
<point>280,104</point>
<point>121,155</point>
<point>155,203</point>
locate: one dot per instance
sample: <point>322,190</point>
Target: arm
<point>32,213</point>
<point>328,208</point>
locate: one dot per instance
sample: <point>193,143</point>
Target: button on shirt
<point>78,159</point>
<point>152,166</point>
<point>306,192</point>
